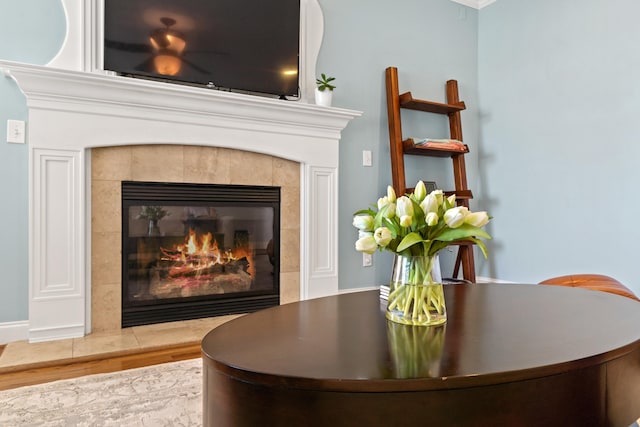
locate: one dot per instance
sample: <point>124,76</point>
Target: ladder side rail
<point>395,131</point>
<point>465,253</point>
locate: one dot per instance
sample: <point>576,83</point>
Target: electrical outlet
<point>367,260</point>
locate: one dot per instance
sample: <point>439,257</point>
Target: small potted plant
<point>153,214</point>
<point>324,90</point>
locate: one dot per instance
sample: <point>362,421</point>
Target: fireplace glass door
<point>193,250</point>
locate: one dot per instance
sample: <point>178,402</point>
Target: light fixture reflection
<point>167,64</point>
<point>168,46</point>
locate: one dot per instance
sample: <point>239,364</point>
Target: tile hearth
<point>22,354</point>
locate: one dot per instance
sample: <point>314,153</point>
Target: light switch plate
<point>15,131</point>
<point>366,158</point>
<point>367,260</point>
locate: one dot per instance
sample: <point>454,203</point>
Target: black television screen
<point>243,45</point>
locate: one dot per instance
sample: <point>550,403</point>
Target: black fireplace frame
<point>212,195</point>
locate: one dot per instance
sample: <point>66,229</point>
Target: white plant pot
<point>324,97</point>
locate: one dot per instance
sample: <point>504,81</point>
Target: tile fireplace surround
<point>179,163</point>
<point>73,112</point>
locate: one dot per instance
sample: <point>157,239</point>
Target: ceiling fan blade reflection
<point>195,67</point>
<point>127,47</point>
<point>146,66</point>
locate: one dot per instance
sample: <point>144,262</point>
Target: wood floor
<point>77,369</point>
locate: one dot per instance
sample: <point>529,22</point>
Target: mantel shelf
<point>409,102</point>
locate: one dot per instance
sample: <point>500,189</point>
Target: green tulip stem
<point>418,297</point>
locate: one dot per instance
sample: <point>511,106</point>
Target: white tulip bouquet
<point>418,225</point>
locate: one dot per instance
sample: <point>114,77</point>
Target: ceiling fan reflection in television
<point>166,49</point>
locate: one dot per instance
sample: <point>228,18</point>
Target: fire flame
<point>201,253</point>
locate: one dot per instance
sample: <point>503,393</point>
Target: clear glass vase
<point>416,296</point>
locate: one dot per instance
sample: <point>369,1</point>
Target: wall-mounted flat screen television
<point>236,45</point>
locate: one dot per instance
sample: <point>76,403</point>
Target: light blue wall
<point>429,41</point>
<point>32,31</point>
<point>560,137</point>
<point>552,95</point>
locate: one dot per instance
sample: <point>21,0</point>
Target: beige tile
<point>223,165</point>
<point>24,353</point>
<point>106,303</point>
<point>289,251</point>
<point>206,165</point>
<point>290,207</point>
<point>286,173</point>
<point>106,206</point>
<point>105,257</point>
<point>159,327</point>
<point>247,168</point>
<point>289,287</point>
<point>104,343</point>
<point>160,163</point>
<point>202,327</point>
<point>155,337</point>
<point>111,163</point>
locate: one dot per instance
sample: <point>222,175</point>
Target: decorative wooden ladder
<point>399,148</point>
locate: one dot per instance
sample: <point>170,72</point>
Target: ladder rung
<point>460,194</point>
<point>407,101</point>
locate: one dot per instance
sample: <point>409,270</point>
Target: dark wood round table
<point>509,355</point>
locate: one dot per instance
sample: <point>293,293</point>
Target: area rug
<point>169,394</point>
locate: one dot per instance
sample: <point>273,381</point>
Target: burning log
<point>191,270</point>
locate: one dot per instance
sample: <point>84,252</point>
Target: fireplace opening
<point>198,250</point>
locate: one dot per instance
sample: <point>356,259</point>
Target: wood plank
<point>409,102</point>
<point>39,375</point>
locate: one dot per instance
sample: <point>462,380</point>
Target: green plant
<point>153,213</point>
<point>324,83</point>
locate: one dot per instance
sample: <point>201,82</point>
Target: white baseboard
<point>56,333</point>
<point>14,331</point>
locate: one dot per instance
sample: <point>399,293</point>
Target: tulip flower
<point>455,217</point>
<point>363,222</point>
<point>383,201</point>
<point>430,204</point>
<point>450,202</point>
<point>439,195</point>
<point>366,244</point>
<point>420,191</point>
<point>391,194</point>
<point>404,206</point>
<point>391,207</point>
<point>404,210</point>
<point>431,219</point>
<point>362,234</point>
<point>477,219</point>
<point>382,236</point>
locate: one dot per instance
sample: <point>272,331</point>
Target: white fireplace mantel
<point>71,112</point>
